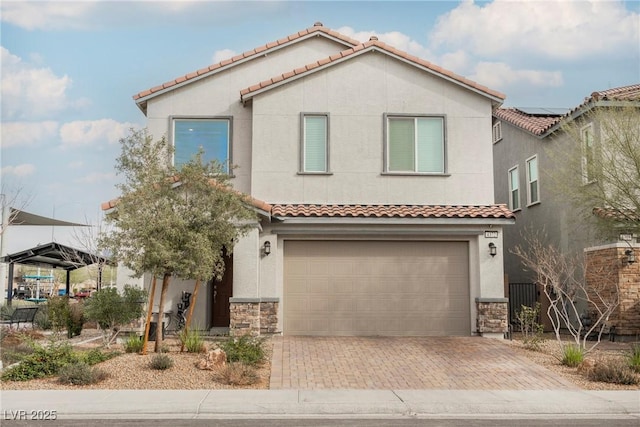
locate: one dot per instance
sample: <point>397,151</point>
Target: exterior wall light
<point>493,249</point>
<point>266,248</point>
<point>630,256</point>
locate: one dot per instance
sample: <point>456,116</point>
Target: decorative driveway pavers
<point>454,363</point>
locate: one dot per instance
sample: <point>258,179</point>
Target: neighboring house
<point>372,173</point>
<point>526,141</point>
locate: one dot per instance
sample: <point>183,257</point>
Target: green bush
<point>95,356</point>
<point>572,355</point>
<point>161,362</point>
<point>244,349</point>
<point>634,358</point>
<point>64,315</point>
<point>192,340</point>
<point>613,371</point>
<point>80,373</point>
<point>532,331</point>
<point>75,320</point>
<point>43,362</point>
<point>237,373</point>
<point>133,344</point>
<point>42,319</point>
<point>15,353</point>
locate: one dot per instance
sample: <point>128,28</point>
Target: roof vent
<point>318,24</point>
<point>373,38</point>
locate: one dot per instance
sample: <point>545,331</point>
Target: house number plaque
<point>491,234</point>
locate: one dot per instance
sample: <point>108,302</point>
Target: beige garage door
<point>376,288</point>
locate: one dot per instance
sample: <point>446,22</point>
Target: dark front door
<point>222,291</point>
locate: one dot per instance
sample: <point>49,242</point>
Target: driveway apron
<point>455,363</point>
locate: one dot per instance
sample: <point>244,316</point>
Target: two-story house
<point>528,144</point>
<point>372,172</point>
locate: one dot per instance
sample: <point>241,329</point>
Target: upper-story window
<point>497,132</point>
<point>514,189</point>
<point>415,144</point>
<point>315,143</point>
<point>588,153</point>
<point>213,135</point>
<point>533,191</point>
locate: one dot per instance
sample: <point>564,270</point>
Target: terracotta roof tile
<point>391,211</point>
<point>380,45</point>
<point>317,28</point>
<point>617,215</point>
<point>535,124</point>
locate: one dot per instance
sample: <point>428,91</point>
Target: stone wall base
<point>492,316</point>
<point>253,316</point>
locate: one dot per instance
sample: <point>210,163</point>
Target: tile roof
<point>391,211</point>
<point>261,50</point>
<point>541,124</point>
<point>617,215</point>
<point>373,43</point>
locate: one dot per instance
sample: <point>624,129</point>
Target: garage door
<point>376,288</point>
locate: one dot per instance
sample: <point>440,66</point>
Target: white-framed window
<point>588,153</point>
<point>315,143</point>
<point>213,135</point>
<point>533,188</point>
<point>415,144</point>
<point>514,189</point>
<point>497,132</point>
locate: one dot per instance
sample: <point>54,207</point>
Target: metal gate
<point>521,294</point>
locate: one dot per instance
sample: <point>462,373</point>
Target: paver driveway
<point>456,363</point>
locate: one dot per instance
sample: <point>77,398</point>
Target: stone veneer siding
<point>607,265</point>
<point>492,315</point>
<point>253,316</point>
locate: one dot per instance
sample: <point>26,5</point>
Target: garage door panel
<point>376,288</point>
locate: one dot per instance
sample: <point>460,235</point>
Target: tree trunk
<point>163,294</point>
<point>147,324</point>
<point>193,304</point>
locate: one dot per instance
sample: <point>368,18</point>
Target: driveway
<point>397,363</point>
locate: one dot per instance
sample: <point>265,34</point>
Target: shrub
<point>43,362</point>
<point>133,344</point>
<point>244,349</point>
<point>80,373</point>
<point>237,373</point>
<point>42,319</point>
<point>192,340</point>
<point>572,355</point>
<point>15,353</point>
<point>531,330</point>
<point>75,320</point>
<point>634,358</point>
<point>613,371</point>
<point>58,312</point>
<point>95,356</point>
<point>161,362</point>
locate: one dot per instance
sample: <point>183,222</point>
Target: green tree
<point>171,222</point>
<point>598,168</point>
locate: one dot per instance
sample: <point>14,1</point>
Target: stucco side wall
<point>246,268</point>
<point>219,95</point>
<point>356,94</point>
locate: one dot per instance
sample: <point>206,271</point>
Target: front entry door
<point>222,291</point>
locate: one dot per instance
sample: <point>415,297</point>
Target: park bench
<point>19,315</point>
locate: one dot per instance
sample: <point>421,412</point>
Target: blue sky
<point>70,69</point>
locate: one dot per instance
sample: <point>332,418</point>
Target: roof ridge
<point>317,27</point>
<point>373,42</point>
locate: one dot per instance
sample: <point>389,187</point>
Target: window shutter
<point>430,145</point>
<point>401,147</point>
<point>315,149</point>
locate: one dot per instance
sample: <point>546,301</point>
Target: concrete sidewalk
<point>209,404</point>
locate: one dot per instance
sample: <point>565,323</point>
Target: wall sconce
<point>493,250</point>
<point>630,256</point>
<point>266,248</point>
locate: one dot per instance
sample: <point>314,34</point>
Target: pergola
<point>54,255</point>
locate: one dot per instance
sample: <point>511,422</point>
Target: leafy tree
<point>598,169</point>
<point>110,309</point>
<point>172,222</point>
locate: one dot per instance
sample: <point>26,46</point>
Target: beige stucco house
<point>372,173</point>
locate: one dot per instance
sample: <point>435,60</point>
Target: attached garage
<point>392,288</point>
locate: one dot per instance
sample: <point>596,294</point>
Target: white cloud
<point>553,29</point>
<point>97,177</point>
<point>394,38</point>
<point>19,170</point>
<point>47,15</point>
<point>29,91</point>
<point>221,55</point>
<point>26,134</point>
<point>85,133</point>
<point>499,75</point>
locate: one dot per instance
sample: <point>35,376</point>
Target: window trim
<point>516,168</point>
<point>584,166</point>
<point>385,145</point>
<point>529,182</point>
<point>229,162</point>
<point>301,166</point>
<point>497,130</point>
